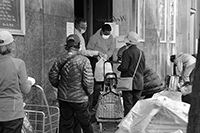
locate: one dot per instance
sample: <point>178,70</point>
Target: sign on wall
<point>12,16</point>
<point>69,28</point>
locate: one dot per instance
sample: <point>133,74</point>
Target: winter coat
<point>130,58</point>
<point>13,82</point>
<point>72,75</point>
<point>152,82</point>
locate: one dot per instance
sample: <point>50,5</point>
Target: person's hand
<point>186,90</point>
<point>31,80</point>
<point>101,55</point>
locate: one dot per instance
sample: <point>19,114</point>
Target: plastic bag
<point>173,83</point>
<point>27,127</point>
<point>99,72</point>
<point>156,115</point>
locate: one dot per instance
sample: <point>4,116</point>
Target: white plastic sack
<point>178,131</point>
<point>174,83</point>
<point>156,115</point>
<point>99,72</point>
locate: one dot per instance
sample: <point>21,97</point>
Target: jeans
<point>13,126</point>
<point>129,99</point>
<point>72,115</point>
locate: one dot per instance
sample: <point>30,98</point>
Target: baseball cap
<point>5,38</point>
<point>73,38</point>
<point>132,38</point>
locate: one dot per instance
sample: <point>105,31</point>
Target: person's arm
<point>179,67</point>
<point>54,75</point>
<point>91,44</point>
<point>125,62</point>
<point>90,53</point>
<point>111,49</point>
<point>88,79</point>
<point>24,83</point>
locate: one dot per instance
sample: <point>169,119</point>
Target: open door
<point>96,12</point>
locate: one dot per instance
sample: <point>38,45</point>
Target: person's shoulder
<point>17,60</point>
<point>83,57</point>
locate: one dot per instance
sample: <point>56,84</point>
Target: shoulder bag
<point>125,83</point>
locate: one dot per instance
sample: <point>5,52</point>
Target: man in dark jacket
<point>72,74</point>
<point>130,58</point>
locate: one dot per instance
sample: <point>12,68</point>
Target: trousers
<point>73,116</point>
<point>129,99</point>
<point>13,126</point>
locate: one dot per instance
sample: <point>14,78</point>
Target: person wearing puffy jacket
<point>152,83</point>
<point>72,75</point>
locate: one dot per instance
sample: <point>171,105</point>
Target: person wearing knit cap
<point>130,57</point>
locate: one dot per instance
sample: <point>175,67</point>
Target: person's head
<point>72,42</point>
<point>132,38</point>
<point>6,42</point>
<point>106,31</point>
<point>81,25</point>
<point>172,58</point>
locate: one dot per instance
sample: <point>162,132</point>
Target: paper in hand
<point>32,80</point>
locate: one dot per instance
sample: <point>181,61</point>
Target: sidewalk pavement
<point>108,127</point>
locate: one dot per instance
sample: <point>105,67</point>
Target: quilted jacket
<point>152,82</point>
<point>72,74</point>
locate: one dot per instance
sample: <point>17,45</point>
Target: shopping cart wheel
<point>100,127</point>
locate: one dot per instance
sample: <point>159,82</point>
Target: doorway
<point>96,13</point>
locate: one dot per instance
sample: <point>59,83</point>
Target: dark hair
<point>172,58</point>
<point>106,27</point>
<point>71,43</point>
<point>79,20</point>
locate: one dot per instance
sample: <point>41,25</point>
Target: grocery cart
<point>42,118</point>
<point>109,107</point>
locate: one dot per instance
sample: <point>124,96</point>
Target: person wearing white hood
<point>130,58</point>
<point>185,63</point>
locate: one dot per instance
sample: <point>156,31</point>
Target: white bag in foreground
<point>99,71</point>
<point>156,115</point>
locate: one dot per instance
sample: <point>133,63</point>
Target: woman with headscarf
<point>130,58</point>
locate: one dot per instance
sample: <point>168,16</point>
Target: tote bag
<point>126,83</point>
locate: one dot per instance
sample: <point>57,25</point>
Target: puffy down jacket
<point>152,82</point>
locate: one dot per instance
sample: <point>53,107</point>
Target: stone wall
<point>45,34</point>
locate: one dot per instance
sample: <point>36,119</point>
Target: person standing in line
<point>13,82</point>
<point>127,67</point>
<point>103,42</point>
<point>72,75</point>
<point>80,29</point>
<point>184,63</point>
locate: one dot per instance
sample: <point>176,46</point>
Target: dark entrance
<point>96,12</point>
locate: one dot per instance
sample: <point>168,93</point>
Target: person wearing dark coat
<point>152,83</point>
<point>127,67</point>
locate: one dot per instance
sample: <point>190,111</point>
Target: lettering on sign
<point>122,18</point>
<point>12,16</point>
